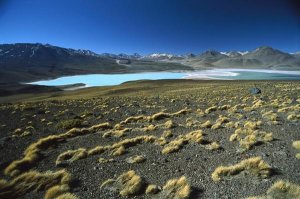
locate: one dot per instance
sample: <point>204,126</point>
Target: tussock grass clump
<point>293,117</point>
<point>56,191</point>
<point>68,124</point>
<point>159,116</point>
<point>98,150</point>
<point>127,184</point>
<point>71,156</point>
<point>176,189</point>
<point>296,145</point>
<point>150,127</point>
<point>211,109</point>
<point>254,166</point>
<point>118,151</point>
<point>169,124</point>
<point>230,125</point>
<point>134,141</point>
<point>252,124</point>
<point>152,189</point>
<point>270,115</point>
<point>192,122</point>
<point>281,189</point>
<point>167,134</point>
<point>206,124</point>
<point>161,141</point>
<point>103,160</point>
<point>135,159</point>
<point>194,136</point>
<point>132,119</point>
<point>217,125</point>
<point>116,133</point>
<point>33,181</point>
<point>33,152</point>
<point>224,107</point>
<point>257,104</point>
<point>163,115</point>
<point>213,146</point>
<point>248,137</point>
<point>176,144</point>
<point>67,196</point>
<point>222,119</point>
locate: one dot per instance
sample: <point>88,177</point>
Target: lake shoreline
<point>91,80</point>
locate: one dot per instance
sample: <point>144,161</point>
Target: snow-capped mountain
<point>162,57</point>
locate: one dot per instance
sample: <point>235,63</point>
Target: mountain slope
<point>25,62</point>
<point>261,58</point>
<point>28,62</point>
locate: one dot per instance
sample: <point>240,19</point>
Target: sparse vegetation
<point>206,124</point>
<point>71,156</point>
<point>148,128</point>
<point>152,189</point>
<point>248,137</point>
<point>33,181</point>
<point>127,184</point>
<point>118,151</point>
<point>210,109</point>
<point>281,189</point>
<point>169,124</point>
<point>32,153</point>
<point>213,146</point>
<point>177,143</point>
<point>296,145</point>
<point>68,124</point>
<point>176,189</point>
<point>254,166</point>
<point>135,159</point>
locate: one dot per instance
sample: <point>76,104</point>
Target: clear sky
<point>146,26</point>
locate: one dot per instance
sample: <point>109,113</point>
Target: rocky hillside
<point>262,57</point>
<point>26,62</point>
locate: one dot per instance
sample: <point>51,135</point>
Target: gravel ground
<point>193,160</point>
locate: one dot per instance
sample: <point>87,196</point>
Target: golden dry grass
<point>135,159</point>
<point>118,151</point>
<point>32,153</point>
<point>163,115</point>
<point>132,119</point>
<point>56,191</point>
<point>169,124</point>
<point>217,125</point>
<point>177,143</point>
<point>71,156</point>
<point>206,124</point>
<point>254,166</point>
<point>176,189</point>
<point>116,133</point>
<point>247,137</point>
<point>296,145</point>
<point>167,134</point>
<point>67,196</point>
<point>103,160</point>
<point>213,146</point>
<point>152,189</point>
<point>211,109</point>
<point>33,181</point>
<point>127,184</point>
<point>270,115</point>
<point>281,190</point>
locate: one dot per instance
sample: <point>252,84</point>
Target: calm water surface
<point>228,74</point>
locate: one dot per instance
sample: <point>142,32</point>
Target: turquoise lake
<point>221,74</point>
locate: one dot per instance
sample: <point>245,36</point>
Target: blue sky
<point>146,26</point>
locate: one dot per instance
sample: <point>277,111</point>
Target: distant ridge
<point>23,62</point>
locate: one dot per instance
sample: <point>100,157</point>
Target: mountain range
<point>25,62</point>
